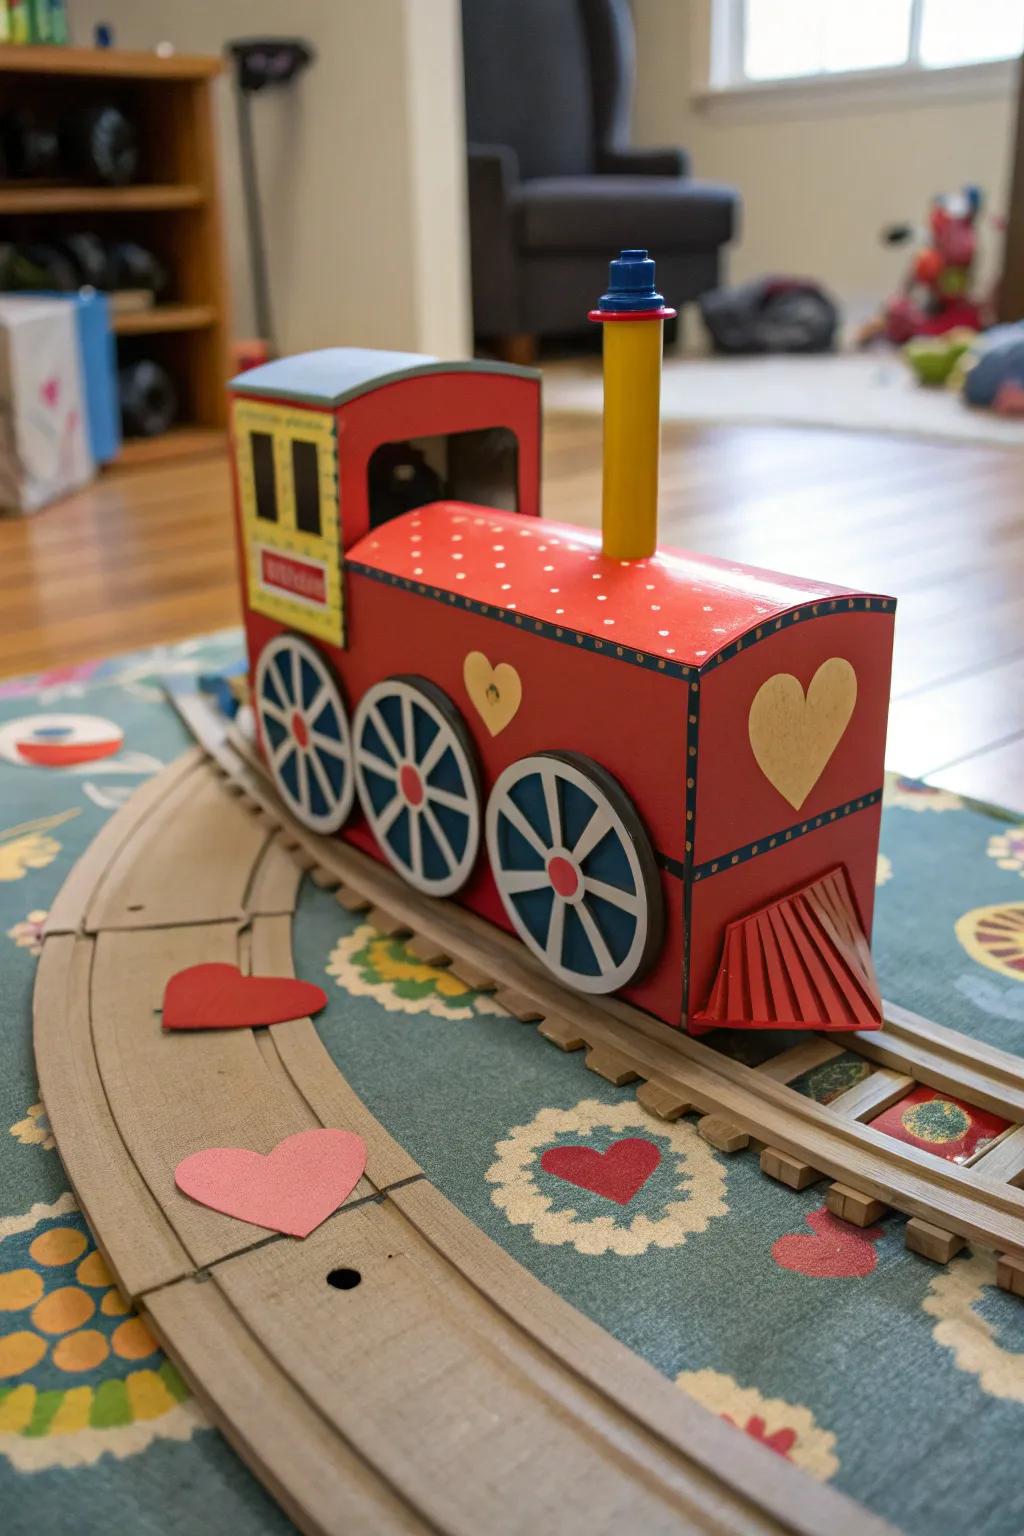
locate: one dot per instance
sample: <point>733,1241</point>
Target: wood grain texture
<point>67,914</point>
<point>137,1240</point>
<point>184,866</point>
<point>171,1096</point>
<point>150,556</point>
<point>448,1355</point>
<point>306,1061</point>
<point>322,1484</point>
<point>415,1400</point>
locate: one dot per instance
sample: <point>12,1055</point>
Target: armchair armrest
<point>493,179</point>
<point>494,168</point>
<point>643,162</point>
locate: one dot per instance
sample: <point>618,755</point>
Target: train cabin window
<point>263,476</point>
<point>306,475</point>
<point>481,466</point>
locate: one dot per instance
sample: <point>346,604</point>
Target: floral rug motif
<point>861,1363</point>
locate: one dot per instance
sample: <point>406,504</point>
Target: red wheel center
<point>300,730</point>
<point>563,876</point>
<point>410,784</point>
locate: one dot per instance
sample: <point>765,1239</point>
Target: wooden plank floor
<point>148,555</point>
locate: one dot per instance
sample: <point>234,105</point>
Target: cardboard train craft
<point>662,771</point>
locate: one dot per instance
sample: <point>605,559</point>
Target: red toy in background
<point>661,771</point>
<point>936,293</point>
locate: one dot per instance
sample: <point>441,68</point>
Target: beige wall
<point>817,183</point>
<point>361,164</point>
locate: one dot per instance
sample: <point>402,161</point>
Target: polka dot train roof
<point>680,606</point>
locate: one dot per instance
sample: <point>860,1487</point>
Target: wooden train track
<point>801,1141</point>
<point>448,1391</point>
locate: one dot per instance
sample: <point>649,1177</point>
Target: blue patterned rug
<point>899,1382</point>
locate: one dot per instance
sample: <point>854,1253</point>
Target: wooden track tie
<point>473,975</point>
<point>561,1032</point>
<point>666,1103</point>
<point>386,922</point>
<point>788,1170</point>
<point>426,951</point>
<point>1010,1274</point>
<point>719,1132</point>
<point>518,1005</point>
<point>352,901</point>
<point>932,1242</point>
<point>611,1064</point>
<point>326,879</point>
<point>850,1205</point>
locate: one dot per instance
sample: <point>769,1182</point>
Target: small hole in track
<point>344,1279</point>
<point>139,906</point>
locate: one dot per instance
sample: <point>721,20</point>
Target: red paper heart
<point>218,996</point>
<point>293,1189</point>
<point>836,1251</point>
<point>617,1173</point>
<point>50,391</point>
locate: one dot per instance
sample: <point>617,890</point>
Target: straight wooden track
<point>448,1391</point>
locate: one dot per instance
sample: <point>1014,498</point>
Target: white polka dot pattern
<point>676,605</point>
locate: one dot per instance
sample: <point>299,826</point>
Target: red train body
<point>663,774</point>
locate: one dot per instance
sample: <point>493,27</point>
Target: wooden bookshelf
<point>173,209</point>
<point>110,63</point>
<point>46,199</point>
<point>161,318</point>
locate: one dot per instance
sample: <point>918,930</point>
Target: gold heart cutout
<point>793,735</point>
<point>496,692</point>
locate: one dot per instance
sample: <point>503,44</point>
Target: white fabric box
<point>44,435</point>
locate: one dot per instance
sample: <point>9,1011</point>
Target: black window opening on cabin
<point>306,478</point>
<point>263,476</point>
<point>481,466</point>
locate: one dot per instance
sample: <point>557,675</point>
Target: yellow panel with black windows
<point>287,464</point>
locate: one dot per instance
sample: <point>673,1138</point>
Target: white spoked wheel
<point>418,783</point>
<point>575,870</point>
<point>305,733</point>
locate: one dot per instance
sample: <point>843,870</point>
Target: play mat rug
<point>900,1382</point>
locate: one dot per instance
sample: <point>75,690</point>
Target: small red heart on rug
<point>218,996</point>
<point>836,1251</point>
<point>50,392</point>
<point>292,1189</point>
<point>617,1173</point>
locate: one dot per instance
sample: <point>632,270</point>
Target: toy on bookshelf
<point>661,771</point>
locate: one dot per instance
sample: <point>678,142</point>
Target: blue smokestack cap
<point>631,285</point>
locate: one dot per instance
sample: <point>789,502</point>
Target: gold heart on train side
<point>794,734</point>
<point>496,692</point>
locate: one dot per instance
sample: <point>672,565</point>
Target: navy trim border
<point>785,835</point>
<point>564,634</point>
<point>567,635</point>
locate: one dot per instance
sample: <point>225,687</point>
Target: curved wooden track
<point>449,1391</point>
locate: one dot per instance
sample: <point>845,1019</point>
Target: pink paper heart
<point>292,1189</point>
<point>50,391</point>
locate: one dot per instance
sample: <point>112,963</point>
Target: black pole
<point>257,250</point>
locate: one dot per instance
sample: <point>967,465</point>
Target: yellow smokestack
<point>634,315</point>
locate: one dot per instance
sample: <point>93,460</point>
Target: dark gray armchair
<point>554,188</point>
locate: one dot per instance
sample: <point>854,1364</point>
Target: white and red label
<point>303,580</point>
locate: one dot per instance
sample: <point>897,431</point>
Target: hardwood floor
<point>148,555</point>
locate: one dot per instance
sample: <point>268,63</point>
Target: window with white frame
<point>772,40</point>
